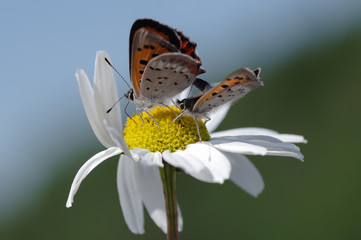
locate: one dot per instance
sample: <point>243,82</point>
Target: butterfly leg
<point>170,108</point>
<point>150,115</point>
<point>125,110</point>
<point>180,115</point>
<point>175,104</point>
<point>140,115</point>
<point>207,119</point>
<point>198,130</point>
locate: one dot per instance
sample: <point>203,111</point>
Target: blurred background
<point>310,55</point>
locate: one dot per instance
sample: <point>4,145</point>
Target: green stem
<point>167,174</point>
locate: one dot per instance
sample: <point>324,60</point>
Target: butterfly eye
<point>182,105</point>
<point>130,95</point>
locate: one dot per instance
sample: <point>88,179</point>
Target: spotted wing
<point>148,39</point>
<point>167,75</point>
<point>233,87</point>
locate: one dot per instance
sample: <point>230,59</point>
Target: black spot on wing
<point>143,62</point>
<point>149,46</point>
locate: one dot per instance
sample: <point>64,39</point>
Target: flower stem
<point>168,175</point>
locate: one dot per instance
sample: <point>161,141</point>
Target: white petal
<point>105,91</point>
<point>118,139</point>
<point>129,194</point>
<point>275,147</point>
<point>180,219</point>
<point>236,146</point>
<point>105,95</point>
<point>149,158</point>
<point>272,145</point>
<point>87,96</point>
<point>87,168</point>
<point>201,161</point>
<point>245,174</point>
<point>261,131</point>
<point>150,187</point>
<point>217,117</point>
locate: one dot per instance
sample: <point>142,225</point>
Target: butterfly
<point>233,87</point>
<point>162,63</point>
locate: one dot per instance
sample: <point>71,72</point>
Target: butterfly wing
<point>148,39</point>
<point>167,75</point>
<point>233,87</point>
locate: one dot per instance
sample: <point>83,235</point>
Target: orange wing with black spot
<point>148,39</point>
<point>233,87</point>
<point>189,48</point>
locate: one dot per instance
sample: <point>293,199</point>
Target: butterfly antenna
<point>120,75</point>
<point>108,111</point>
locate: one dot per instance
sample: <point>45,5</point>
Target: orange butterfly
<point>163,62</point>
<point>231,88</point>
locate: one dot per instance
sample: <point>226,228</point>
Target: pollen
<point>142,132</point>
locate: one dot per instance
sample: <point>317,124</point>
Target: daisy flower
<point>155,152</point>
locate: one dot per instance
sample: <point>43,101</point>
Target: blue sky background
<point>43,43</point>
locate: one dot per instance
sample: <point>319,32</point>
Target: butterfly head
<point>187,103</point>
<point>130,95</point>
<point>181,104</point>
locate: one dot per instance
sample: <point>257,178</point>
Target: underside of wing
<point>168,75</point>
<point>148,39</point>
<point>233,87</point>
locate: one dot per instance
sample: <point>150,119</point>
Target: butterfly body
<point>163,63</point>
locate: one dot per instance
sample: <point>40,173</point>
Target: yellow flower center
<point>169,136</point>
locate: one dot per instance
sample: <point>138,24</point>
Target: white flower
<point>138,182</point>
<point>214,161</point>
